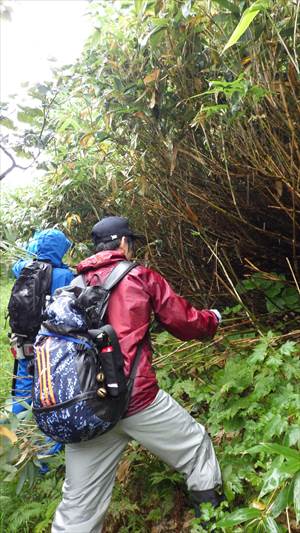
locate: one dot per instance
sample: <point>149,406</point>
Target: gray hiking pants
<point>165,429</point>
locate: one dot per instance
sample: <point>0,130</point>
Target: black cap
<point>111,228</point>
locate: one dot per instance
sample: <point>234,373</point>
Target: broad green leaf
<point>297,497</point>
<point>272,481</point>
<point>270,525</point>
<point>239,516</point>
<point>247,17</point>
<point>282,500</point>
<point>278,449</point>
<point>292,436</point>
<point>291,466</point>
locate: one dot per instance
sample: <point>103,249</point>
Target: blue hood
<point>51,244</point>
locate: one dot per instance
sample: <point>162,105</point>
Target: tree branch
<point>13,163</point>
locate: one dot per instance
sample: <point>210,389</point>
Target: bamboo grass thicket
<point>221,162</point>
<point>186,139</point>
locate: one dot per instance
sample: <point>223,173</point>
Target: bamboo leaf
<point>247,17</point>
<point>153,76</point>
<point>5,432</point>
<point>21,481</point>
<point>157,29</point>
<point>87,140</point>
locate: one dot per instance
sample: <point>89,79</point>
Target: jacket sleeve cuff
<point>217,314</point>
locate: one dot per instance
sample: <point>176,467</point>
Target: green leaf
<point>138,4</point>
<point>297,497</point>
<point>239,516</point>
<point>228,5</point>
<point>22,153</point>
<point>291,466</point>
<point>7,123</point>
<point>282,500</point>
<point>21,481</point>
<point>29,114</point>
<point>247,17</point>
<point>69,123</point>
<point>275,426</point>
<point>260,352</point>
<point>272,481</point>
<point>292,436</point>
<point>276,448</point>
<point>288,348</point>
<point>270,525</point>
<point>144,40</point>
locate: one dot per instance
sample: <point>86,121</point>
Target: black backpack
<point>80,389</point>
<point>27,300</point>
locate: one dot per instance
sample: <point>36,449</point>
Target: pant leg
<point>168,431</point>
<point>90,474</point>
<point>22,386</point>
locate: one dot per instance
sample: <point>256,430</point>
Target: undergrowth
<point>244,387</point>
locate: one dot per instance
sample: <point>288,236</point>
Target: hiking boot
<point>205,496</point>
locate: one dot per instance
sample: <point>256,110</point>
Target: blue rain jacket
<point>50,244</point>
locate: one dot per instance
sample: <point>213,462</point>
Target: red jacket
<point>130,307</point>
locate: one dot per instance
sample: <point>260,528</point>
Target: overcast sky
<point>38,30</point>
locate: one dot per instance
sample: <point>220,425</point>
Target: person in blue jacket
<point>50,245</point>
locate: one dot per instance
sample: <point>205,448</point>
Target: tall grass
<point>6,361</point>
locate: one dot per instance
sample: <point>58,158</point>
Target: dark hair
<point>111,245</point>
<point>115,244</point>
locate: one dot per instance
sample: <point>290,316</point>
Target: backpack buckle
<point>28,349</point>
<point>19,348</point>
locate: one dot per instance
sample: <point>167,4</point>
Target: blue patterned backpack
<point>80,389</point>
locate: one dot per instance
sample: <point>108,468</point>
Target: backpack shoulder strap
<point>79,281</point>
<point>117,274</point>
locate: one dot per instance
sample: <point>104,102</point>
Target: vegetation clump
<point>183,115</point>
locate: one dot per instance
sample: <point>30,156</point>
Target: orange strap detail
<point>48,366</point>
<point>44,370</point>
<point>38,358</point>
